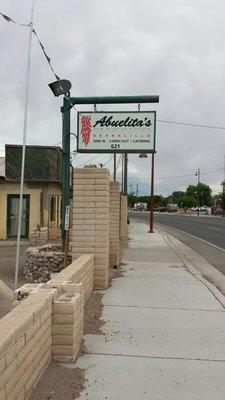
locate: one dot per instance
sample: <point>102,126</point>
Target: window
<point>54,211</point>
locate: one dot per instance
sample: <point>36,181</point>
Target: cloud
<point>174,49</point>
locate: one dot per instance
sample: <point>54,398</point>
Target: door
<point>13,216</point>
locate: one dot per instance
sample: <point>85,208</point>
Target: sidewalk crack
<point>155,357</point>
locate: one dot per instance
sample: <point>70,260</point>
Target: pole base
<point>151,231</point>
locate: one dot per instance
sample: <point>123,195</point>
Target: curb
<point>198,267</point>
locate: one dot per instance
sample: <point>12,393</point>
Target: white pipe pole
<point>24,145</point>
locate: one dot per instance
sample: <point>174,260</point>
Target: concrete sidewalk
<point>164,336</point>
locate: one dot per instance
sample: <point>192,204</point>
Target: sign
<point>116,132</point>
<point>67,218</point>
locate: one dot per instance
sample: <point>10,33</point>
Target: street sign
<point>116,132</point>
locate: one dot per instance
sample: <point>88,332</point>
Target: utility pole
<point>24,145</point>
<point>65,163</point>
<point>122,180</point>
<point>131,188</point>
<point>125,174</point>
<point>114,167</point>
<point>224,169</point>
<point>151,230</point>
<point>137,189</point>
<point>223,194</point>
<point>198,191</point>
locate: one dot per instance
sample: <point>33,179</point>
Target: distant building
<point>42,191</point>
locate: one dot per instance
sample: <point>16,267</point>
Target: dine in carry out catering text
<point>120,132</point>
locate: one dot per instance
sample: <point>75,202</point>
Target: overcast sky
<point>175,49</point>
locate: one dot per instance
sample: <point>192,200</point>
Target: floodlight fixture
<point>61,86</point>
<point>143,155</point>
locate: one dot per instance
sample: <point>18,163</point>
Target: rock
<point>41,261</point>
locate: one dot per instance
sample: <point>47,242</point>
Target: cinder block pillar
<point>91,225</point>
<point>123,218</point>
<point>67,324</point>
<point>114,224</point>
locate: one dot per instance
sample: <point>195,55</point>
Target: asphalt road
<point>205,235</point>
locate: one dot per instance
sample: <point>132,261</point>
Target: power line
<point>87,161</point>
<point>107,162</point>
<point>191,124</point>
<point>45,54</point>
<point>176,176</point>
<point>8,19</point>
<point>118,161</point>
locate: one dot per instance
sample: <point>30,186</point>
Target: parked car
<point>162,209</point>
<point>207,210</point>
<point>202,208</point>
<point>172,210</point>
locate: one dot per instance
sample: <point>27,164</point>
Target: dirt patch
<point>211,280</point>
<point>59,383</point>
<point>7,263</point>
<point>115,273</point>
<point>92,315</point>
<point>83,350</point>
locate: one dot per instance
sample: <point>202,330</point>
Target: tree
<point>90,166</point>
<point>187,201</point>
<point>222,197</point>
<point>201,193</point>
<point>176,197</point>
<point>132,199</point>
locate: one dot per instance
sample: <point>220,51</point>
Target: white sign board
<point>67,218</point>
<point>118,132</point>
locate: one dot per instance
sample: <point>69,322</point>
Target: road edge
<point>197,266</point>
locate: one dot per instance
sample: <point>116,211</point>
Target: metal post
<point>122,175</point>
<point>224,169</point>
<point>65,163</point>
<point>198,173</point>
<point>115,99</point>
<point>224,185</point>
<point>24,145</point>
<point>114,167</point>
<point>151,230</point>
<point>125,174</point>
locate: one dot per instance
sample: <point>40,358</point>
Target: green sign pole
<point>67,105</point>
<point>113,100</point>
<point>65,163</point>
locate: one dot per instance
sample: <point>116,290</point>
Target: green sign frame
<point>119,151</point>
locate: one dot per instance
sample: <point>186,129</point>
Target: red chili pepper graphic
<point>86,128</point>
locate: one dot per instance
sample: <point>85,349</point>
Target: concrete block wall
<point>80,271</point>
<point>67,326</point>
<point>123,218</point>
<point>25,345</point>
<point>91,224</point>
<point>47,324</point>
<point>114,258</point>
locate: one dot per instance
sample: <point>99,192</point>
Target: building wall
<point>35,191</point>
